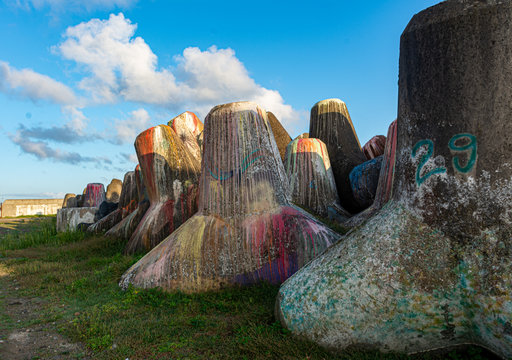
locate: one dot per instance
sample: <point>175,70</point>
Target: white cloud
<point>34,86</point>
<point>128,129</point>
<point>123,67</point>
<point>42,150</point>
<point>71,5</point>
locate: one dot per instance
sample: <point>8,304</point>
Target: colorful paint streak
<point>94,195</point>
<point>246,230</point>
<point>312,184</point>
<point>330,122</point>
<point>171,176</point>
<point>374,147</point>
<point>189,129</point>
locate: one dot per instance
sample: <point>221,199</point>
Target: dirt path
<point>23,335</point>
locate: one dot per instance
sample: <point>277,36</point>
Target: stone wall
<point>23,207</point>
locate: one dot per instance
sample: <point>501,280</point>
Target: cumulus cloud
<point>123,67</point>
<point>27,83</point>
<point>71,5</point>
<point>128,129</point>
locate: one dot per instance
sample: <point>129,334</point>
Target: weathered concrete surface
<point>24,207</point>
<point>126,227</point>
<point>94,195</point>
<point>68,219</point>
<point>128,201</point>
<point>189,129</point>
<point>311,180</point>
<point>385,185</point>
<point>280,134</point>
<point>364,179</point>
<point>171,177</point>
<point>129,194</point>
<point>69,201</point>
<point>374,147</point>
<point>245,230</point>
<point>331,123</point>
<point>432,268</point>
<point>114,191</point>
<point>107,222</point>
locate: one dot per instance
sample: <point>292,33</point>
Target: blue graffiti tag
<point>471,145</point>
<point>224,175</point>
<point>423,160</point>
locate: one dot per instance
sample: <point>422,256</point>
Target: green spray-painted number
<point>423,160</point>
<point>470,146</point>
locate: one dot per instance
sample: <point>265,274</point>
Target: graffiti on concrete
<point>456,161</point>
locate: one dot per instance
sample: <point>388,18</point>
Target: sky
<point>79,80</point>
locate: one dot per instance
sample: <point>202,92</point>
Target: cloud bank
<point>118,67</point>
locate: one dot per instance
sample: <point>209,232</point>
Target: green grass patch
<point>78,275</point>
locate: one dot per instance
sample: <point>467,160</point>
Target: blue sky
<point>80,79</point>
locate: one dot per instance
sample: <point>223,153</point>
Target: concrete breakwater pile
<point>426,261</point>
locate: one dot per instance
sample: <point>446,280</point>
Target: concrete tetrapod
<point>364,179</point>
<point>311,180</point>
<point>385,185</point>
<point>125,228</point>
<point>246,230</point>
<point>69,201</point>
<point>374,147</point>
<point>331,123</point>
<point>127,200</point>
<point>114,191</point>
<point>189,129</point>
<point>280,134</point>
<point>171,177</point>
<point>432,268</point>
<point>94,195</point>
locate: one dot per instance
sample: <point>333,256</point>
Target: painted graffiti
<point>470,147</point>
<point>248,160</point>
<point>424,159</point>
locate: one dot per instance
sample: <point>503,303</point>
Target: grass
<point>78,273</point>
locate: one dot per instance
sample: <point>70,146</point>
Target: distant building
<point>24,207</point>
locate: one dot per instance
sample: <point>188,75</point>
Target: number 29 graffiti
<point>469,148</point>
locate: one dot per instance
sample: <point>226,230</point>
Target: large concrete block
<point>331,123</point>
<point>94,195</point>
<point>385,185</point>
<point>311,180</point>
<point>69,201</point>
<point>131,219</point>
<point>246,230</point>
<point>432,268</point>
<point>26,207</point>
<point>114,191</point>
<point>374,147</point>
<point>280,134</point>
<point>364,179</point>
<point>189,129</point>
<point>68,219</point>
<point>171,177</point>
